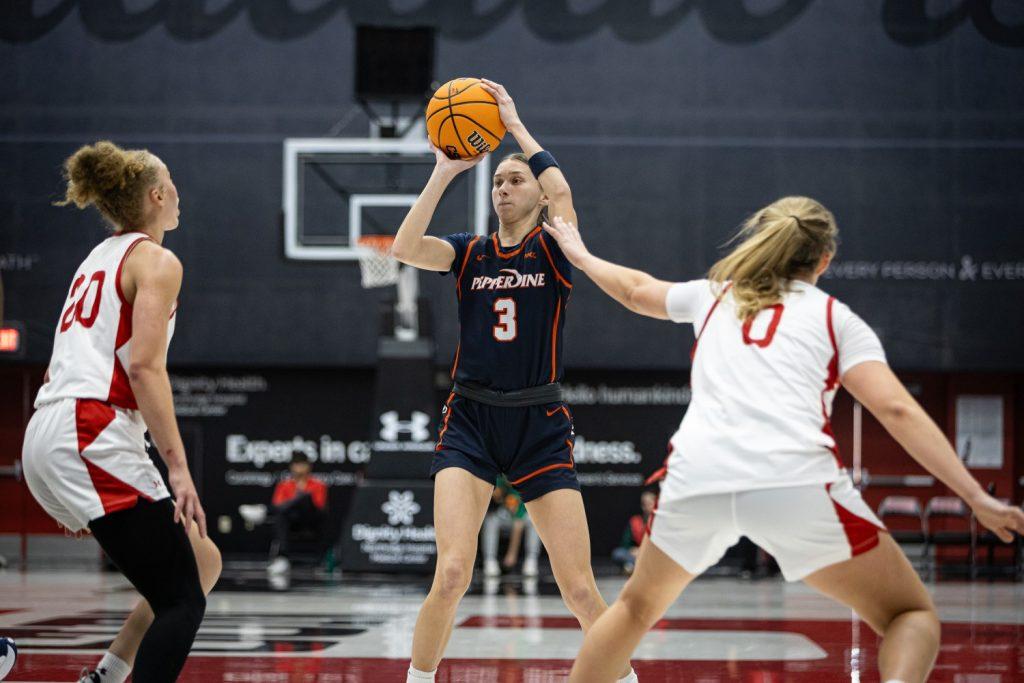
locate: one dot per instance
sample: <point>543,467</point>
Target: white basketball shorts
<point>85,458</point>
<point>805,528</point>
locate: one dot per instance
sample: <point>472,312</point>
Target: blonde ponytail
<point>112,179</point>
<point>784,240</point>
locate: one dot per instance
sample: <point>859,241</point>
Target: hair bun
<point>95,170</point>
<point>109,177</point>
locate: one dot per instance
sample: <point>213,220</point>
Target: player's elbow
<point>560,190</point>
<point>141,371</point>
<point>894,410</point>
<point>634,300</point>
<point>559,195</point>
<point>402,253</point>
<point>398,252</point>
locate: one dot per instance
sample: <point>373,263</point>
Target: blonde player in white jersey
<point>755,455</point>
<point>84,453</point>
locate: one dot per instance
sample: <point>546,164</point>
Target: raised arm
<point>552,180</point>
<point>634,289</point>
<point>878,389</point>
<point>412,245</point>
<point>153,274</point>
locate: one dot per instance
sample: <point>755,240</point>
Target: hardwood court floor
<point>355,631</point>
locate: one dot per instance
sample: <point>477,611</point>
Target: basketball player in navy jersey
<point>505,414</point>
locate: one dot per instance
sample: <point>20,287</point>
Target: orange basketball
<point>463,120</point>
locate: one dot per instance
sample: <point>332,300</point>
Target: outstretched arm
<point>552,180</point>
<point>634,289</point>
<point>412,245</point>
<point>874,385</point>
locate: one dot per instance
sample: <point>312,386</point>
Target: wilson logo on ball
<point>478,143</point>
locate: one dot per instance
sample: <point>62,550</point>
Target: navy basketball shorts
<point>531,446</point>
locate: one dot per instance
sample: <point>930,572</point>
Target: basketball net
<point>378,268</point>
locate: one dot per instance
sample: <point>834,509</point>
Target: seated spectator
<point>625,554</point>
<point>299,504</point>
<point>507,512</point>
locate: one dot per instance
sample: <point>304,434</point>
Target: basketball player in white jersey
<point>84,454</point>
<point>755,455</point>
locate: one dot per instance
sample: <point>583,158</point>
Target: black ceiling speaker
<point>394,63</point>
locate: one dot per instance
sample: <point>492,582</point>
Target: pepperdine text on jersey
<point>512,279</point>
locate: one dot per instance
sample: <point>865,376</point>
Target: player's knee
<point>935,628</point>
<point>932,624</point>
<point>924,620</point>
<point>185,604</point>
<point>921,617</point>
<point>581,597</point>
<point>640,609</point>
<point>210,566</point>
<point>453,577</point>
<point>195,610</point>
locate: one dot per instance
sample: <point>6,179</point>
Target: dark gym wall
<point>673,120</point>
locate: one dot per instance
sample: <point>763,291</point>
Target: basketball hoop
<point>380,269</point>
<point>376,264</point>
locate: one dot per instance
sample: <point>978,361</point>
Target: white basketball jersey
<point>91,347</point>
<point>760,411</point>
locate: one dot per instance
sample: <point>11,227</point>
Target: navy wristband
<point>541,161</point>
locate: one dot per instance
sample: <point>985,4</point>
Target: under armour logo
<point>400,507</point>
<point>417,428</point>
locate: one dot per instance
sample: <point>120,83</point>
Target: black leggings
<point>154,554</point>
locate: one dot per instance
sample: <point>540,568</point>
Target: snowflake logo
<point>400,507</point>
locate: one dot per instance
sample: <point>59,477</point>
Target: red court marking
<point>995,650</point>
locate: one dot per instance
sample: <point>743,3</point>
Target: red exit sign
<point>11,340</point>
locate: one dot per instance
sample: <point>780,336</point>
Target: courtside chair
<point>986,544</point>
<point>960,530</point>
<point>903,516</point>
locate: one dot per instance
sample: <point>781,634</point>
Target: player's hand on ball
<point>506,107</point>
<point>454,166</point>
<point>568,237</point>
<point>999,518</point>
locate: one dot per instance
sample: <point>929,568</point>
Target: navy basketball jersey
<point>511,310</point>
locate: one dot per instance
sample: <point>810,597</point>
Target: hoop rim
<point>381,243</point>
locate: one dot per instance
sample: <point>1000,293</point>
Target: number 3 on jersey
<point>505,330</point>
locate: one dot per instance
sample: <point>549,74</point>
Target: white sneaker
<point>492,568</point>
<point>88,676</point>
<point>530,566</point>
<point>280,565</point>
<point>279,582</point>
<point>8,655</point>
